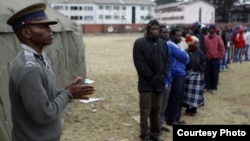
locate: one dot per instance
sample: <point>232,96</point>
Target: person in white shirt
<point>246,36</point>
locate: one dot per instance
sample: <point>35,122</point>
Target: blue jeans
<point>246,52</point>
<point>239,52</point>
<point>223,62</point>
<point>229,56</point>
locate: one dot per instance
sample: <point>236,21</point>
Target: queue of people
<point>194,59</point>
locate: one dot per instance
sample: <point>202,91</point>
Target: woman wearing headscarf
<point>194,83</point>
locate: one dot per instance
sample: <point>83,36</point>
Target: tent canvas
<point>66,54</point>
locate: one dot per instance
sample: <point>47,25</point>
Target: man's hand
<point>80,91</point>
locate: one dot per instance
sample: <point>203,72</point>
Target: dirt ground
<point>109,64</point>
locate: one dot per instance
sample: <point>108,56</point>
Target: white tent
<point>66,54</point>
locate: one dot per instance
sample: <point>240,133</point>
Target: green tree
<point>224,9</point>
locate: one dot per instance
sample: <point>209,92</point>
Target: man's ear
<point>26,33</point>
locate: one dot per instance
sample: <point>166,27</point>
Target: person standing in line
<point>215,51</point>
<point>225,35</point>
<point>230,47</point>
<point>199,30</point>
<point>151,60</point>
<point>164,34</point>
<point>195,29</point>
<point>194,83</point>
<point>179,58</point>
<point>182,44</point>
<point>239,44</point>
<point>36,103</point>
<point>246,36</point>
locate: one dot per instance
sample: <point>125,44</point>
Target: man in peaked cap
<point>151,60</point>
<point>33,14</point>
<point>36,103</point>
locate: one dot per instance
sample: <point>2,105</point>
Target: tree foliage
<point>224,9</point>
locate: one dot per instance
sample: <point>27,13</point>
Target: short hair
<point>173,31</point>
<point>161,27</point>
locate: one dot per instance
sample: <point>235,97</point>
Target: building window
<point>88,8</point>
<point>142,8</point>
<point>74,8</point>
<point>108,7</point>
<point>74,17</point>
<point>100,17</point>
<point>80,8</point>
<point>116,17</point>
<point>108,17</point>
<point>88,18</point>
<point>58,7</point>
<point>66,7</point>
<point>116,7</point>
<point>142,17</point>
<point>173,18</point>
<point>124,8</point>
<point>100,7</point>
<point>168,10</point>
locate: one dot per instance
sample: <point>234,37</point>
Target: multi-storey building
<point>105,12</point>
<point>185,12</point>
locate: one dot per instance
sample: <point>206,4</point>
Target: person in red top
<point>214,52</point>
<point>239,44</point>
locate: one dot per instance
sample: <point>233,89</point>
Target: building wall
<point>112,28</point>
<point>172,17</point>
<point>105,13</point>
<point>187,13</point>
<point>192,13</point>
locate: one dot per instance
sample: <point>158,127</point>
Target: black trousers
<point>150,106</point>
<point>212,71</point>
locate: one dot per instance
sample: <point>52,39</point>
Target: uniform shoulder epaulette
<point>29,59</point>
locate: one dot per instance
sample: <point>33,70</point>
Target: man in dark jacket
<point>151,60</point>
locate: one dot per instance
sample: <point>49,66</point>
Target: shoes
<point>145,139</point>
<point>207,90</point>
<point>165,129</point>
<point>176,122</point>
<point>156,138</point>
<point>190,114</point>
<point>181,122</point>
<point>214,91</point>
